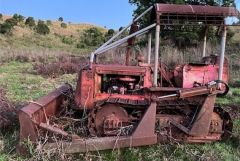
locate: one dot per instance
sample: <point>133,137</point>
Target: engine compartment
<point>121,84</point>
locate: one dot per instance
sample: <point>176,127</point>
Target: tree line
<point>39,26</point>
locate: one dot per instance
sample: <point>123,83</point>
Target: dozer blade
<point>144,134</point>
<point>36,115</point>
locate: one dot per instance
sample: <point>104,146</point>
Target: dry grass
<point>24,39</point>
<point>8,114</point>
<point>55,28</point>
<point>236,37</point>
<point>62,65</point>
<point>72,29</point>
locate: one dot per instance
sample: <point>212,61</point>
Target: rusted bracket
<point>53,129</point>
<point>202,121</point>
<point>180,126</point>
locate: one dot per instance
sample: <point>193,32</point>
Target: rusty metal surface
<point>202,122</point>
<point>145,131</point>
<point>85,89</point>
<point>108,120</point>
<point>196,10</point>
<point>53,129</point>
<point>120,69</point>
<point>216,125</point>
<point>146,127</point>
<point>173,14</point>
<point>175,127</point>
<point>191,92</point>
<point>89,83</point>
<point>131,41</point>
<point>37,113</point>
<point>144,134</point>
<point>103,143</point>
<point>186,76</point>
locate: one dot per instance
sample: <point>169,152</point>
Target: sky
<point>106,13</point>
<point>109,13</point>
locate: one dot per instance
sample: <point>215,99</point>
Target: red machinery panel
<point>185,76</point>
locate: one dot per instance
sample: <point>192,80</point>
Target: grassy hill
<point>23,38</point>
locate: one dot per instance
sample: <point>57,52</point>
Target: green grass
<point>232,98</point>
<point>21,86</point>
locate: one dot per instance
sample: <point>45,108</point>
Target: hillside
<point>64,39</point>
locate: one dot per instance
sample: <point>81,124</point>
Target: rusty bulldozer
<point>136,105</point>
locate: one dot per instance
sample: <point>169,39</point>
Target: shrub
<point>30,21</point>
<point>110,31</point>
<point>40,22</point>
<point>5,28</point>
<point>67,40</point>
<point>21,18</point>
<point>8,114</point>
<point>121,28</point>
<point>11,21</point>
<point>42,28</point>
<point>109,34</point>
<point>22,58</point>
<point>92,37</point>
<point>18,17</point>
<point>63,25</point>
<point>60,19</point>
<point>81,45</point>
<point>64,65</point>
<point>49,22</point>
<point>230,34</point>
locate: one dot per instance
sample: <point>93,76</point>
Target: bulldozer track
<point>97,107</point>
<point>227,121</point>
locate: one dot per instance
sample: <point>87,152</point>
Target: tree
<point>68,40</point>
<point>40,22</point>
<point>49,22</point>
<point>63,25</point>
<point>42,28</point>
<point>5,28</point>
<point>1,16</point>
<point>11,21</point>
<point>120,28</point>
<point>60,19</point>
<point>229,3</point>
<point>18,17</point>
<point>30,22</point>
<point>109,34</point>
<point>92,37</point>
